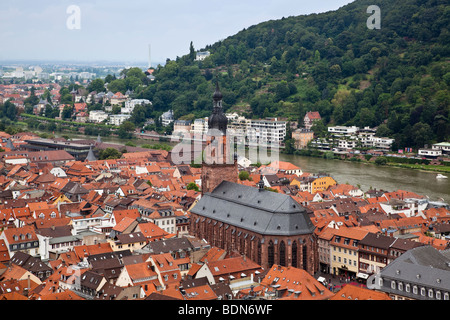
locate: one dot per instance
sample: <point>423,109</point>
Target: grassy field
<point>435,168</point>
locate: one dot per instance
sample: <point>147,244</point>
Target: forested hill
<point>396,77</point>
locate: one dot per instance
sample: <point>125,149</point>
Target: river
<point>380,177</point>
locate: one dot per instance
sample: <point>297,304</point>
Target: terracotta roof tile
<point>351,292</point>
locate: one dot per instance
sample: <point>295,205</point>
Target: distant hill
<point>396,77</point>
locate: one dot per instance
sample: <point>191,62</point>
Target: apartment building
<point>302,137</point>
<point>97,116</point>
<point>270,131</point>
<point>343,138</point>
<point>262,131</point>
<point>118,119</point>
<point>344,250</point>
<point>342,131</point>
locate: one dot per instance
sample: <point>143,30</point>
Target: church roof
<point>256,210</point>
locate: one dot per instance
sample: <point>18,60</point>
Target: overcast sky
<point>119,30</point>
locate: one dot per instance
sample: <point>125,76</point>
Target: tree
<point>244,175</point>
<point>192,186</point>
<point>383,131</point>
<point>125,130</point>
<point>10,111</point>
<point>32,99</point>
<point>118,85</point>
<point>97,85</point>
<point>191,52</point>
<point>281,91</point>
<point>421,134</point>
<point>109,153</point>
<point>319,129</point>
<point>381,160</point>
<point>66,113</point>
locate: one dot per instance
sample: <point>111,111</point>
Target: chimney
<point>261,183</point>
<point>28,285</point>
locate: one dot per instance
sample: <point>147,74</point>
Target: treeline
<point>397,77</point>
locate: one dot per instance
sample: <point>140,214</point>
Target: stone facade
<point>298,251</point>
<point>213,174</point>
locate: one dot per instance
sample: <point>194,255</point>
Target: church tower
<point>219,162</point>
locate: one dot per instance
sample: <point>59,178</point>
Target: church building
<point>267,227</point>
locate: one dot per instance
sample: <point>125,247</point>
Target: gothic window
<point>294,254</point>
<point>282,254</point>
<point>259,252</point>
<point>305,257</point>
<point>270,254</point>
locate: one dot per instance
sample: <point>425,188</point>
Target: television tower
<point>149,56</point>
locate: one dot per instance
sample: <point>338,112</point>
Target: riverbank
<point>426,168</point>
<point>399,162</point>
<point>367,175</point>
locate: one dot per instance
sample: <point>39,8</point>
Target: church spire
<point>218,120</point>
<point>91,156</point>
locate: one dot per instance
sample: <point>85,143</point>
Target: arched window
<point>305,257</point>
<point>282,255</point>
<point>259,252</point>
<point>270,254</point>
<point>294,254</point>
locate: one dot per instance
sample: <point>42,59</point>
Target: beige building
<point>302,137</point>
<point>344,251</point>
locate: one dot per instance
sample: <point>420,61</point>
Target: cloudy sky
<point>119,30</point>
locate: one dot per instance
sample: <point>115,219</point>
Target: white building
<point>340,131</point>
<point>381,142</point>
<point>167,118</point>
<point>443,146</point>
<point>118,119</point>
<point>131,104</point>
<point>365,136</point>
<point>349,143</point>
<point>266,131</point>
<point>430,153</point>
<point>199,127</point>
<point>202,55</point>
<point>97,116</point>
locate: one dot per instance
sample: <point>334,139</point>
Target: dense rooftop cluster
<point>119,229</point>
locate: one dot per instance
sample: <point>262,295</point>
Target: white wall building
<point>202,55</point>
<point>443,146</point>
<point>381,142</point>
<point>167,118</point>
<point>340,131</point>
<point>199,127</point>
<point>266,131</point>
<point>118,119</point>
<point>432,153</point>
<point>131,104</point>
<point>97,116</point>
